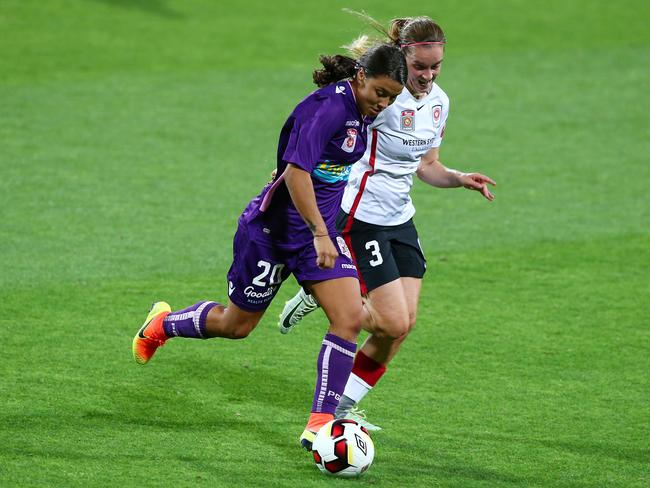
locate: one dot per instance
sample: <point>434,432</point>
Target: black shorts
<point>382,253</point>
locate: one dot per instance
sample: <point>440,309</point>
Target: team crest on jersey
<point>407,122</point>
<point>350,141</point>
<point>343,247</point>
<point>437,113</point>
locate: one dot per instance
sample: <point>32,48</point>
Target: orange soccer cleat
<point>151,335</point>
<point>315,422</point>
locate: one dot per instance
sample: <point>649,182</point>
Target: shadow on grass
<point>234,384</point>
<point>262,401</point>
<point>154,7</point>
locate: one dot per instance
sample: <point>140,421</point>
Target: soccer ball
<point>343,448</point>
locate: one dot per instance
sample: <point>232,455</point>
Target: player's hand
<point>478,182</point>
<point>325,251</point>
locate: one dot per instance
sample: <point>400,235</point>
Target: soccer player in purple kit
<point>376,218</point>
<point>290,226</point>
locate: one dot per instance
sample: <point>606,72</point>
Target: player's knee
<point>351,328</point>
<point>399,330</point>
<point>347,327</point>
<point>392,327</point>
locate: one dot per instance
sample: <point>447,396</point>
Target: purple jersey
<point>324,135</point>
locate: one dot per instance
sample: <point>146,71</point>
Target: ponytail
<point>335,68</point>
<point>359,46</point>
<point>383,60</point>
<point>402,32</point>
<point>395,29</point>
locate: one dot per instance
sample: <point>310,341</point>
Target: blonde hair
<point>401,32</point>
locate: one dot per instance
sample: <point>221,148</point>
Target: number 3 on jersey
<point>373,247</point>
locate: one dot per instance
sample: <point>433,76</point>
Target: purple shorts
<point>260,265</point>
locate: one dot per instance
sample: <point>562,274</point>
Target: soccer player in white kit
<point>376,212</point>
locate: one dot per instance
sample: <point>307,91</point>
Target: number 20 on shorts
<point>275,278</point>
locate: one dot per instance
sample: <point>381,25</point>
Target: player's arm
<point>301,189</point>
<point>434,173</point>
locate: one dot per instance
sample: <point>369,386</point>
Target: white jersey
<point>378,189</point>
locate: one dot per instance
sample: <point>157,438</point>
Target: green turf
<point>132,133</point>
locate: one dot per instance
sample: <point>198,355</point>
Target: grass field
<point>132,133</point>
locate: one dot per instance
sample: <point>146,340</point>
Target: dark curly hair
<point>382,60</point>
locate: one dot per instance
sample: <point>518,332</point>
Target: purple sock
<point>334,366</point>
<point>189,322</point>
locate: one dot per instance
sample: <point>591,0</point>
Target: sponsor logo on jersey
<point>343,247</point>
<point>407,122</point>
<point>350,141</point>
<point>332,172</point>
<point>418,142</point>
<point>436,110</point>
<point>352,123</point>
<point>231,288</point>
<point>340,89</point>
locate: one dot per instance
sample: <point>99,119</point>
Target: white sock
<point>356,388</point>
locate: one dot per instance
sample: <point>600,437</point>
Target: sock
<point>344,406</point>
<point>189,322</point>
<point>367,369</point>
<point>334,366</point>
<point>365,374</point>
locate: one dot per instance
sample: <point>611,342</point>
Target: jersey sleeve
<point>313,128</point>
<point>437,141</point>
